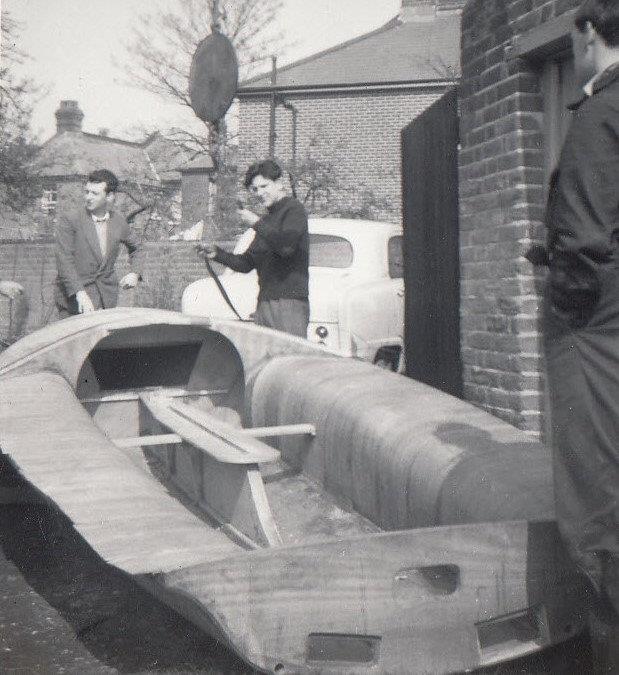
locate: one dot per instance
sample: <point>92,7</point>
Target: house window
<point>49,199</point>
<point>559,89</point>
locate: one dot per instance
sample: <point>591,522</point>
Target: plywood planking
<point>400,452</point>
<point>122,512</point>
<point>421,597</point>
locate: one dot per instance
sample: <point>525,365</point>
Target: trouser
<point>604,634</point>
<point>583,384</point>
<point>286,314</point>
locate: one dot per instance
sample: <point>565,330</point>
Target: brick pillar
<point>501,210</point>
<point>195,190</point>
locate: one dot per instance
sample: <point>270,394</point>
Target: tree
<point>163,44</point>
<point>160,53</point>
<point>17,146</point>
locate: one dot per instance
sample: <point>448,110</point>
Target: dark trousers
<point>286,314</point>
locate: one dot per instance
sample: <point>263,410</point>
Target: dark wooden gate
<point>431,246</point>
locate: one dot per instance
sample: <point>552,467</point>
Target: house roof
<point>167,158</point>
<point>399,52</point>
<point>77,153</point>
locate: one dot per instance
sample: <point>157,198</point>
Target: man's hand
<point>129,280</point>
<point>248,217</point>
<point>84,303</point>
<point>206,250</point>
<point>11,289</point>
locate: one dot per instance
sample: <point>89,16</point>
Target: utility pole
<point>215,17</point>
<point>216,131</point>
<point>272,134</point>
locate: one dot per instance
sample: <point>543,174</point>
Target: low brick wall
<point>167,267</point>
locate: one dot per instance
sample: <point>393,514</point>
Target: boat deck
<point>124,514</point>
<point>305,513</point>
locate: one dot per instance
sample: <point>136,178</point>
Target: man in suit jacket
<point>87,245</point>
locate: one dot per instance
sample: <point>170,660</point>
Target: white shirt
<point>101,227</point>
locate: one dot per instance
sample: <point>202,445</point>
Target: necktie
<point>101,227</point>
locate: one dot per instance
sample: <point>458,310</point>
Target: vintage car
<point>356,289</point>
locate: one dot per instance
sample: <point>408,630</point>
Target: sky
<point>72,45</point>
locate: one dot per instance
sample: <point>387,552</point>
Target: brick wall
<point>167,267</point>
<point>502,203</point>
<point>358,132</point>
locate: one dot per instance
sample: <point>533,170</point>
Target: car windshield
<point>396,258</point>
<point>327,250</point>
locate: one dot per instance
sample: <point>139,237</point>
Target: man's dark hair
<point>603,16</point>
<point>104,176</point>
<point>267,168</point>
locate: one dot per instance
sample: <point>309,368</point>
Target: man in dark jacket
<point>582,317</point>
<point>87,245</point>
<point>279,253</point>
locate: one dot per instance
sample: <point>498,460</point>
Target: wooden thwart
<point>134,395</point>
<point>153,439</point>
<point>282,430</point>
<point>217,439</point>
<point>125,514</point>
<point>255,432</point>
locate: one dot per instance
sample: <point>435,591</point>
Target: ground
<point>63,610</point>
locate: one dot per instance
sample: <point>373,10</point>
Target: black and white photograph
<point>309,337</point>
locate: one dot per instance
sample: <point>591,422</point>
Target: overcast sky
<point>71,44</point>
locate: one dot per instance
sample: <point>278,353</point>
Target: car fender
<point>372,316</point>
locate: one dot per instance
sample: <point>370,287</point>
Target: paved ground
<point>62,610</point>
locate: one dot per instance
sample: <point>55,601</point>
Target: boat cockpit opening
<point>190,363</point>
<point>173,399</point>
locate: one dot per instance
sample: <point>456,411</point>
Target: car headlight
<point>322,333</point>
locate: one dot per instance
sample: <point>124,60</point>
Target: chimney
<point>426,10</point>
<point>195,192</point>
<point>69,117</point>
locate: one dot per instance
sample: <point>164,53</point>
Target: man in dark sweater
<point>279,253</point>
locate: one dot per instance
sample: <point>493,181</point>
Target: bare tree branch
<point>17,146</point>
<point>163,43</point>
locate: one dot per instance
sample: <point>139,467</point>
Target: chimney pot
<point>69,117</point>
<point>426,10</point>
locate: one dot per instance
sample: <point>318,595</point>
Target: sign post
<point>213,81</point>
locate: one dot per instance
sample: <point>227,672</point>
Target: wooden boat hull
<point>385,527</point>
<point>433,600</point>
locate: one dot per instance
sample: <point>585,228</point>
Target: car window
<point>327,250</point>
<point>396,257</point>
